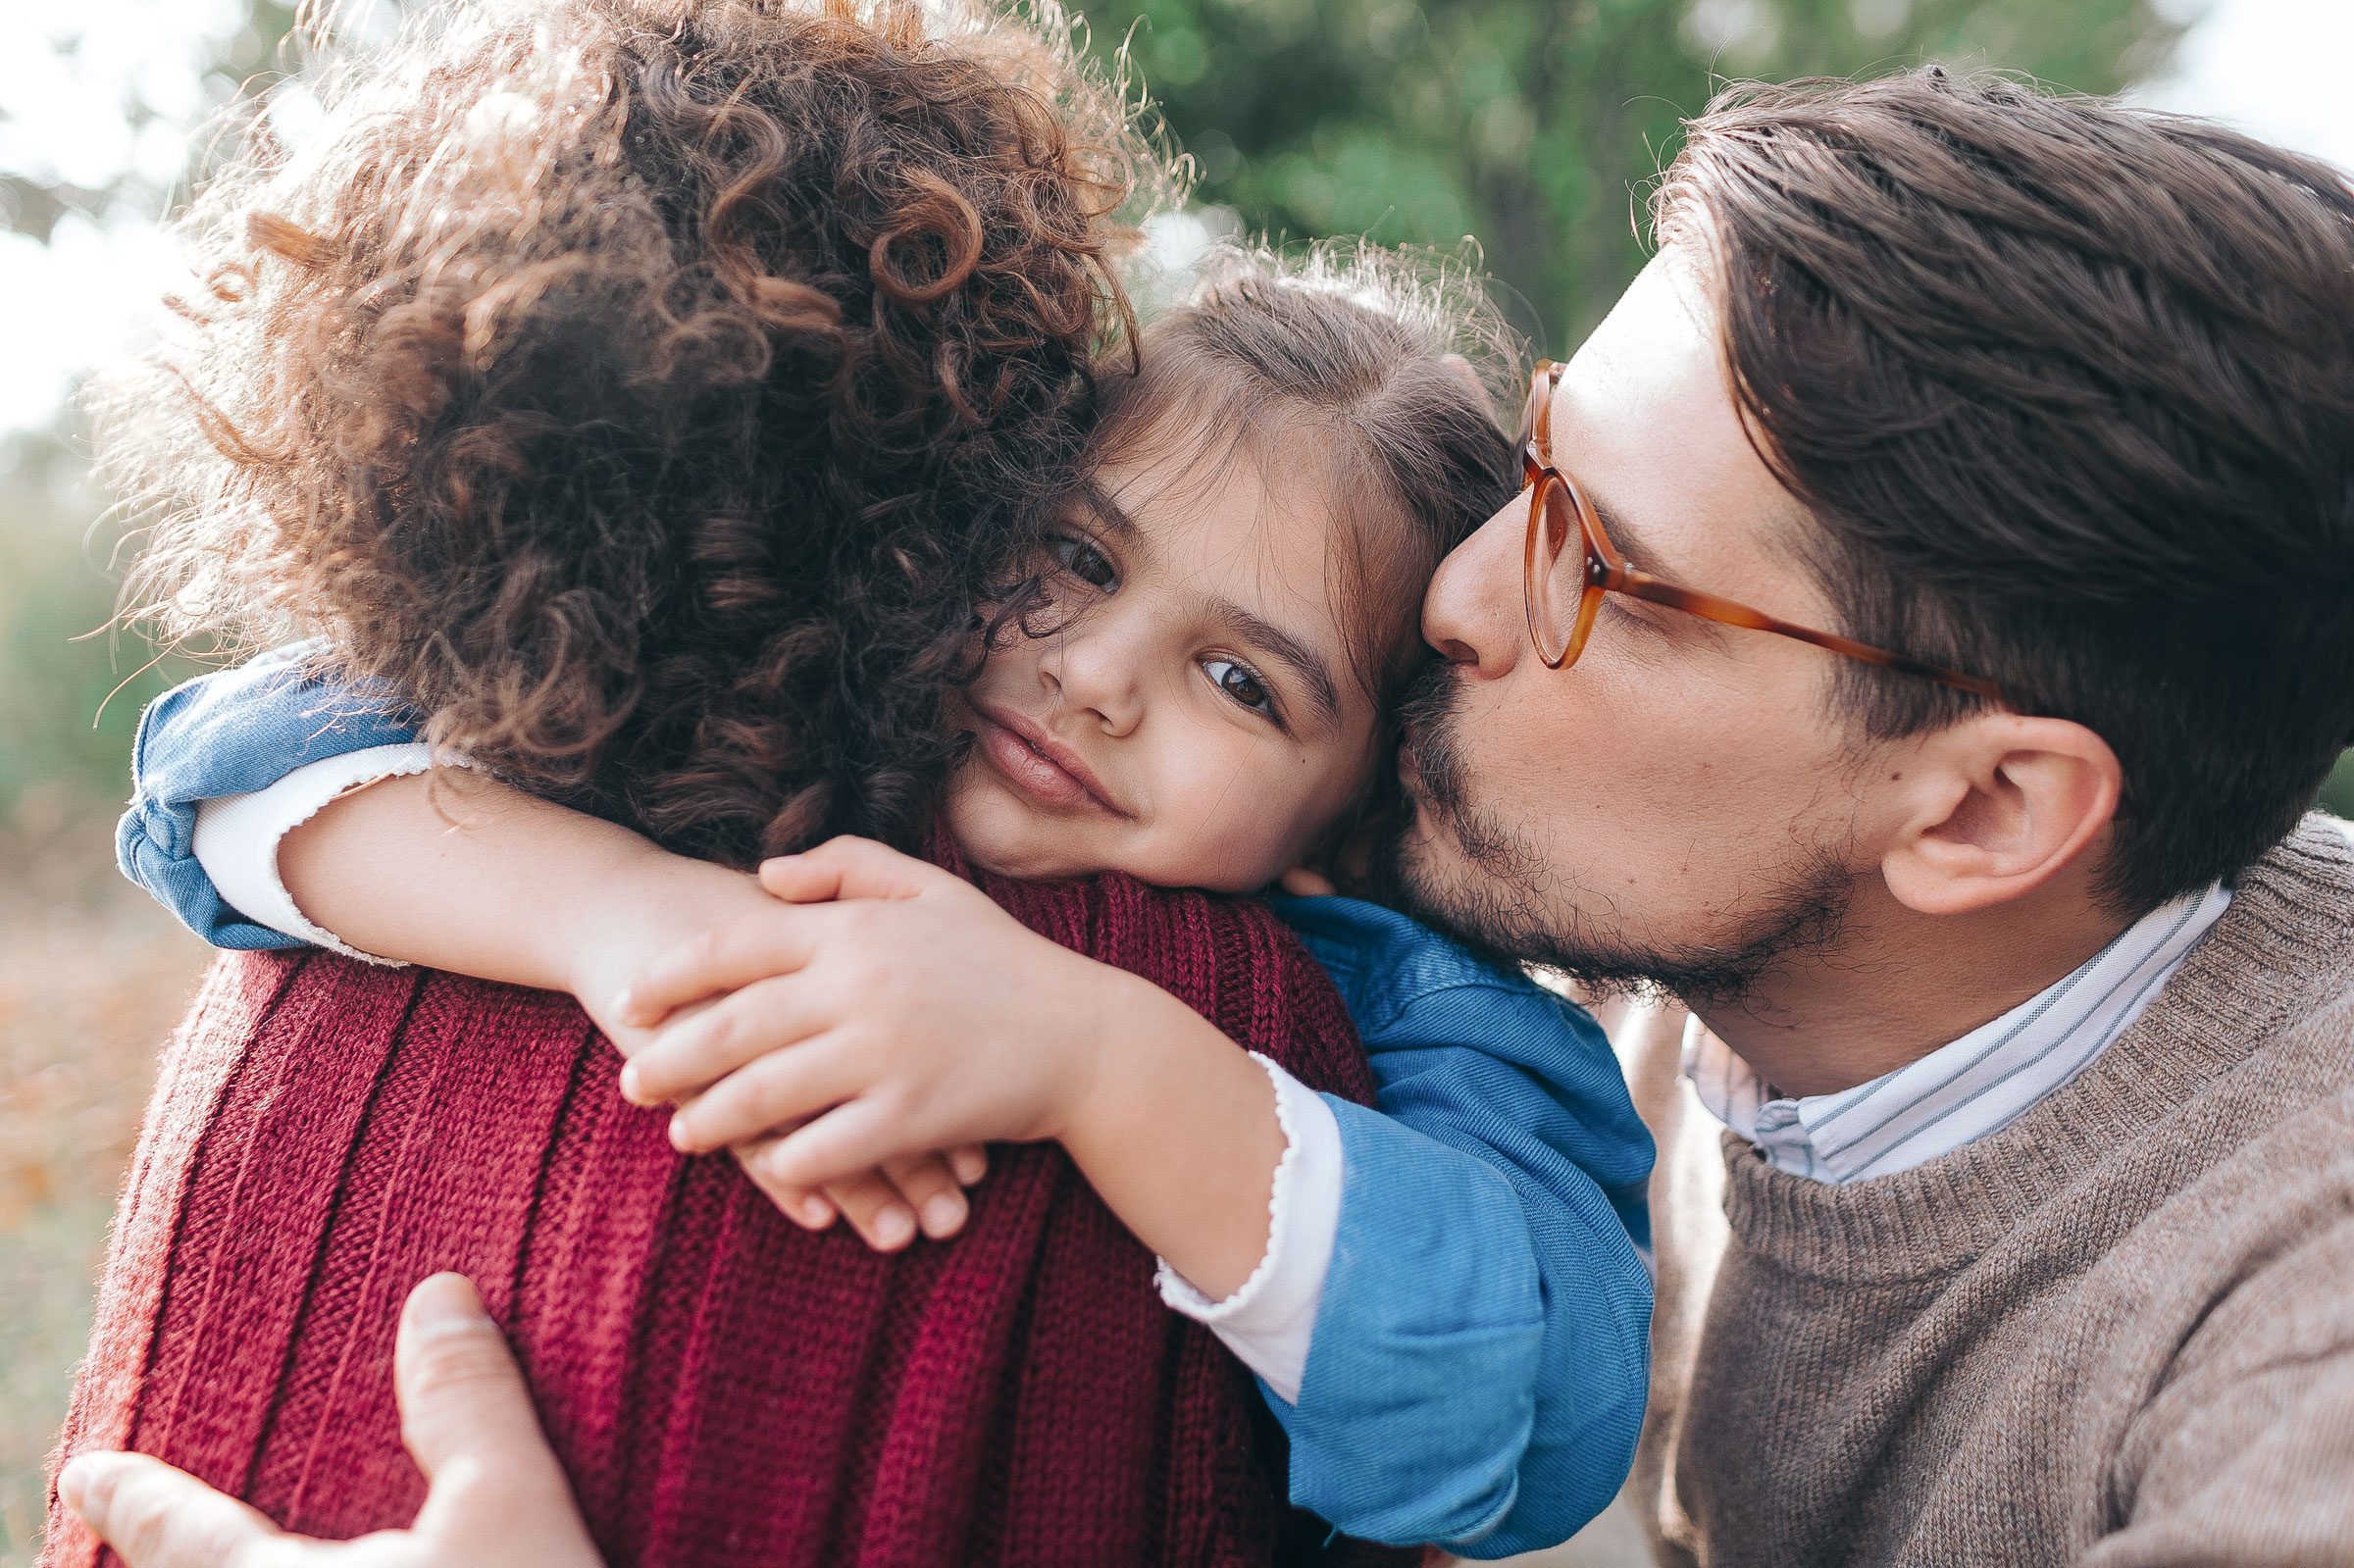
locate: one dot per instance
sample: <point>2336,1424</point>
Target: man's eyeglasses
<point>1564,586</point>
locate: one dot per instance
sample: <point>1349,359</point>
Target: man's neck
<point>1897,984</point>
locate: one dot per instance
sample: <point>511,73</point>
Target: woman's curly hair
<point>647,388</point>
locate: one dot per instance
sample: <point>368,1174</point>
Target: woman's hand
<point>886,1008</point>
<point>494,1490</point>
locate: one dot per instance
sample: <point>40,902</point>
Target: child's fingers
<point>852,1137</point>
<point>848,868</point>
<point>805,1207</point>
<point>872,1205</point>
<point>931,1192</point>
<point>695,1052</point>
<point>726,959</point>
<point>970,1162</point>
<point>780,1088</point>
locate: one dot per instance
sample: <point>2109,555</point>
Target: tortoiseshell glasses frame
<point>1557,507</point>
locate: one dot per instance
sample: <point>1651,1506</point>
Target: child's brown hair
<point>646,387</point>
<point>1380,369</point>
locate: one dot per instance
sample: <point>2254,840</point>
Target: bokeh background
<point>1535,124</point>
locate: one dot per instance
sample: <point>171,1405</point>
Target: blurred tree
<point>65,727</point>
<point>241,54</point>
<point>1537,126</point>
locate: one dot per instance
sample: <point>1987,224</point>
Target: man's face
<point>1679,805</point>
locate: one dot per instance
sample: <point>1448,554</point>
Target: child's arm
<point>453,871</point>
<point>230,734</point>
<point>887,999</point>
<point>456,871</point>
<point>1475,1348</point>
<point>277,806</point>
<point>461,873</point>
<point>1493,1220</point>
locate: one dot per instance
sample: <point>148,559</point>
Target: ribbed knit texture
<point>723,1386</point>
<point>2119,1331</point>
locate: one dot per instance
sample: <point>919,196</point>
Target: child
<point>1446,1310</point>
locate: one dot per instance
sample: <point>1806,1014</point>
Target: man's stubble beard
<point>1515,907</point>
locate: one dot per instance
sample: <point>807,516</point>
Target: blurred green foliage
<point>238,61</point>
<point>65,730</point>
<point>70,689</point>
<point>1537,126</point>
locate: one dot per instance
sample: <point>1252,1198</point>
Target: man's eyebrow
<point>1629,543</point>
<point>1305,661</point>
<point>1625,536</point>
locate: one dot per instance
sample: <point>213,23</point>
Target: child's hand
<point>887,1206</point>
<point>890,1205</point>
<point>886,1008</point>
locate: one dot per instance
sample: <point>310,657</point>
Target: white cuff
<point>236,837</point>
<point>1269,1322</point>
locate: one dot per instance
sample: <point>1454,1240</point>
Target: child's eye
<point>1082,561</point>
<point>1241,682</point>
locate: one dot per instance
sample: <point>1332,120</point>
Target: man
<point>2032,1015</point>
<point>1932,632</point>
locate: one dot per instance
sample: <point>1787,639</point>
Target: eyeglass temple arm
<point>1729,612</point>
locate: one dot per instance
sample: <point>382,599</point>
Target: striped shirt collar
<point>1969,1089</point>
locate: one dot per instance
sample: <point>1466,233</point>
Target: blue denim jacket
<point>1481,1354</point>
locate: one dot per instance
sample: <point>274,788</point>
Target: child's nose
<point>1093,672</point>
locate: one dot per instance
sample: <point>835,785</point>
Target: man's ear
<point>1999,807</point>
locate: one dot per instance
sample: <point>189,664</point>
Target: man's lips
<point>1039,765</point>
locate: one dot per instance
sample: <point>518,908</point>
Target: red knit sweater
<point>723,1386</point>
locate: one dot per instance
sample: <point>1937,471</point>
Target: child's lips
<point>1040,766</point>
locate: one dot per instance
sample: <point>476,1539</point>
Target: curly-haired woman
<point>652,414</point>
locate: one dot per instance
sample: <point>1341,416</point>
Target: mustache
<point>1425,718</point>
<point>1427,726</point>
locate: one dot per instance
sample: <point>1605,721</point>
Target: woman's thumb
<point>461,1394</point>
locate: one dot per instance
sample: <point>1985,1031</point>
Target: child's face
<point>1196,719</point>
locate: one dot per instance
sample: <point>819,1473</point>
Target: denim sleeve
<point>1481,1354</point>
<point>230,734</point>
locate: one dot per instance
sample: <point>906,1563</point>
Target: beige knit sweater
<point>2119,1331</point>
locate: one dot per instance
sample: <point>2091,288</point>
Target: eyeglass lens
<point>1557,576</point>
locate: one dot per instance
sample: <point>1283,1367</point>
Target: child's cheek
<point>1240,830</point>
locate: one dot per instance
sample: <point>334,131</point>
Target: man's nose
<point>1474,613</point>
<point>1092,670</point>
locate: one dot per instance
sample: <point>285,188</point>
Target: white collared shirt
<point>1964,1091</point>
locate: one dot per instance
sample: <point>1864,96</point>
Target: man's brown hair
<point>646,389</point>
<point>2068,387</point>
